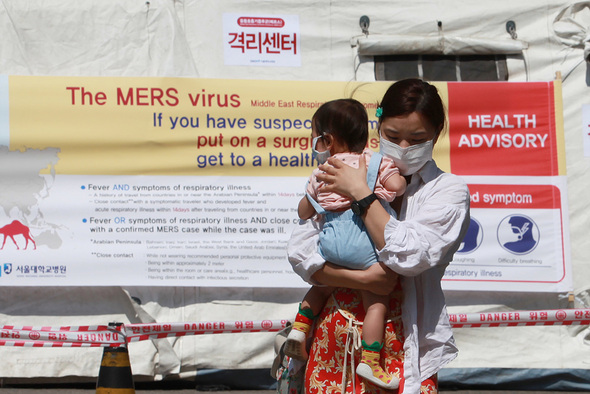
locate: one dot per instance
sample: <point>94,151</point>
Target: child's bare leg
<point>376,307</point>
<point>316,298</point>
<point>311,306</point>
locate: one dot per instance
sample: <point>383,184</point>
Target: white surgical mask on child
<point>321,157</point>
<point>410,159</point>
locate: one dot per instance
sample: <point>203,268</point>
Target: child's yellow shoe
<point>295,346</point>
<point>370,370</point>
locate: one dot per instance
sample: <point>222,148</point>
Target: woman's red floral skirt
<point>334,340</point>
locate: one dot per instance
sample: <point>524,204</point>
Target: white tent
<point>159,38</point>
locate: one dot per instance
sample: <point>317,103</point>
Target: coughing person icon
<point>473,237</point>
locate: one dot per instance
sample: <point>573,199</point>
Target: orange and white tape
<point>116,336</point>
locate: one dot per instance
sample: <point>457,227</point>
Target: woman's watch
<point>359,207</point>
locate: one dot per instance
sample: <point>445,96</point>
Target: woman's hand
<point>343,179</point>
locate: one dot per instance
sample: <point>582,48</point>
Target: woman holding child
<point>415,238</point>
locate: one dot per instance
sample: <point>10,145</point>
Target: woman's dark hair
<point>414,95</point>
<point>346,120</point>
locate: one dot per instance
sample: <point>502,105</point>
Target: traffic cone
<point>114,375</point>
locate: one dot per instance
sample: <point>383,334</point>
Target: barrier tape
<point>142,332</point>
<point>107,336</point>
<point>35,343</point>
<point>562,317</point>
<point>65,336</point>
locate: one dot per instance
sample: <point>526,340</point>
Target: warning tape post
<point>105,336</point>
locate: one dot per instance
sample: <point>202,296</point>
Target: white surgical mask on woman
<point>410,159</point>
<point>321,157</point>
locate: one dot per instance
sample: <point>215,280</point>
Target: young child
<point>340,129</point>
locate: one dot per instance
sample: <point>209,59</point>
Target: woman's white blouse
<point>433,220</point>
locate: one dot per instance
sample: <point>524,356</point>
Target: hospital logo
<point>473,237</point>
<point>7,268</point>
<point>518,234</point>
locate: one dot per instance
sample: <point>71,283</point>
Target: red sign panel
<point>502,128</point>
<point>515,196</point>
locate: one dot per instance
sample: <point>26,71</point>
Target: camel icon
<point>16,228</point>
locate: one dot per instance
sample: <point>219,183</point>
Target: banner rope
<point>109,336</point>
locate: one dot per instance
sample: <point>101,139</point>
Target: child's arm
<point>305,210</point>
<point>396,183</point>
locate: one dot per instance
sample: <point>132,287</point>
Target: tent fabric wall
<point>137,38</point>
<point>160,38</point>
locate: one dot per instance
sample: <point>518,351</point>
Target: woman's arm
<point>434,227</point>
<point>310,265</point>
<point>377,278</point>
<point>344,179</point>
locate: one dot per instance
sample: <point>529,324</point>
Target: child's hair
<point>346,120</point>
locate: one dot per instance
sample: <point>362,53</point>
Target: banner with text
<point>195,182</point>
